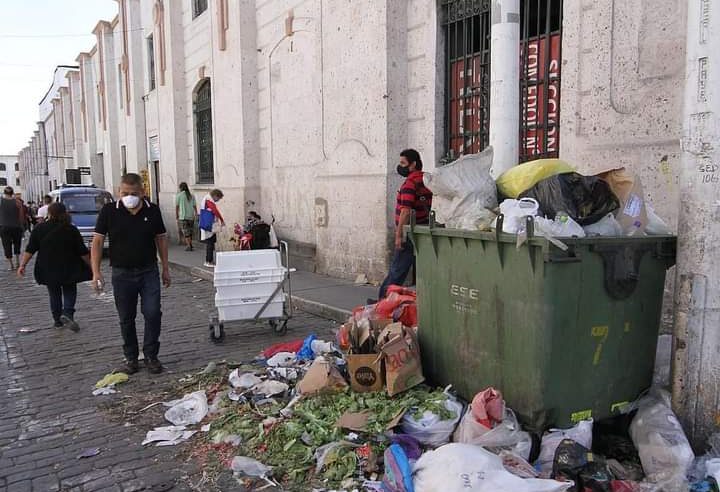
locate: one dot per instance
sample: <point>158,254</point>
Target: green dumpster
<point>565,335</point>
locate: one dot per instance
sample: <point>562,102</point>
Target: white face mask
<point>131,201</point>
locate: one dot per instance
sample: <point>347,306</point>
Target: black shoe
<point>131,366</point>
<point>153,366</point>
<point>68,322</point>
<point>58,324</point>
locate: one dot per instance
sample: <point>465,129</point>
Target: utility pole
<point>696,359</point>
<point>504,84</point>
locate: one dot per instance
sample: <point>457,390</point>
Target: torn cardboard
<point>401,353</point>
<point>322,377</point>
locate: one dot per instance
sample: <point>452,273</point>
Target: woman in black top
<point>11,227</point>
<point>63,261</point>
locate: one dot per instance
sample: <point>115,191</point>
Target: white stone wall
<point>10,174</point>
<point>621,94</point>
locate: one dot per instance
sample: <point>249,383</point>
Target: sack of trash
<point>582,433</point>
<point>524,176</point>
<point>463,191</point>
<point>431,429</point>
<point>659,437</point>
<point>586,199</point>
<point>514,213</point>
<point>461,467</point>
<point>575,462</point>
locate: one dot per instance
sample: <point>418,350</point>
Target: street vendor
<point>412,196</point>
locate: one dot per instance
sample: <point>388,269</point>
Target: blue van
<point>83,202</point>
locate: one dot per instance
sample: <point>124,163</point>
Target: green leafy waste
<point>289,445</point>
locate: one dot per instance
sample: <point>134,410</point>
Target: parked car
<point>83,202</point>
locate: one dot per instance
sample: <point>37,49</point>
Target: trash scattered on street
<point>89,453</point>
<point>28,330</point>
<point>168,435</point>
<point>113,379</point>
<point>105,390</point>
<point>190,409</point>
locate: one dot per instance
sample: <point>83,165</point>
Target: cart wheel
<point>217,331</point>
<point>280,328</point>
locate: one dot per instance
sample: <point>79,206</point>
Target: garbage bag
<point>575,462</point>
<point>465,467</point>
<point>607,226</point>
<point>562,226</point>
<point>398,471</point>
<point>463,190</point>
<point>586,199</point>
<point>410,445</point>
<point>659,437</point>
<point>190,409</point>
<point>517,465</point>
<point>505,436</point>
<point>243,381</point>
<point>655,225</point>
<point>282,359</point>
<point>242,465</point>
<point>581,433</point>
<point>514,213</point>
<point>430,429</point>
<point>524,176</point>
<point>306,351</point>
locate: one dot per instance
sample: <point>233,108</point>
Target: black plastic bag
<point>575,462</point>
<point>586,199</point>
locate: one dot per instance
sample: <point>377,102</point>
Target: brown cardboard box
<point>366,373</point>
<point>401,353</point>
<point>321,377</point>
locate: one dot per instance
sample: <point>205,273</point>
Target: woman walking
<point>211,227</point>
<point>63,261</point>
<point>12,217</point>
<point>185,212</point>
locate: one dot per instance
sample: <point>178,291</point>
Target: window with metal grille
<point>466,26</point>
<point>151,62</point>
<point>467,44</point>
<point>204,134</point>
<point>199,6</point>
<point>540,45</point>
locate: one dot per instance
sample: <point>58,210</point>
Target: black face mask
<point>403,171</point>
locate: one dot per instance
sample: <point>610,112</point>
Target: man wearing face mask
<point>137,234</point>
<point>412,196</point>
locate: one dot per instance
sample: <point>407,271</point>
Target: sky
<point>35,37</point>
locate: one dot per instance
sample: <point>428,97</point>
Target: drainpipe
<point>696,366</point>
<point>504,84</point>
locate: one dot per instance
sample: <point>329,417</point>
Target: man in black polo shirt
<point>137,233</point>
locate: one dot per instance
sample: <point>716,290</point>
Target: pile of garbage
<point>560,202</point>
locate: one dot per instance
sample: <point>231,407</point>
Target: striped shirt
<point>414,195</point>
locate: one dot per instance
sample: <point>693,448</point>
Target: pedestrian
<point>33,213</point>
<point>62,262</point>
<point>43,211</point>
<point>11,227</point>
<point>209,237</point>
<point>25,220</point>
<point>412,196</point>
<point>185,212</point>
<point>137,234</point>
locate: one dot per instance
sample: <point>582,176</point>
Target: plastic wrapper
<point>586,199</point>
<point>655,225</point>
<point>468,468</point>
<point>505,436</point>
<point>398,471</point>
<point>581,433</point>
<point>514,213</point>
<point>607,226</point>
<point>190,409</point>
<point>242,465</point>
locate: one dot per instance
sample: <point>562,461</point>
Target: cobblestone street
<point>48,415</point>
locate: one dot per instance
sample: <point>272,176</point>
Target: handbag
<point>207,218</point>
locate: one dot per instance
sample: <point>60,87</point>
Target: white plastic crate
<point>228,261</point>
<point>249,290</point>
<point>249,276</point>
<point>248,310</point>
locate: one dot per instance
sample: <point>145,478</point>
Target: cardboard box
<point>321,377</point>
<point>366,374</point>
<point>401,353</point>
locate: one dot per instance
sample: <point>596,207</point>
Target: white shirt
<point>43,212</point>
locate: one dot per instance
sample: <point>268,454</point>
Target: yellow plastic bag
<point>524,176</point>
<point>112,379</point>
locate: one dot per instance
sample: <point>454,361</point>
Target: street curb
<point>313,307</point>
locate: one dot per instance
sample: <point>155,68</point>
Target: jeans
<point>62,300</point>
<point>210,248</point>
<point>11,239</point>
<point>403,260</point>
<point>128,284</point>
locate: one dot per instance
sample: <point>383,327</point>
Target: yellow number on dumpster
<point>601,333</point>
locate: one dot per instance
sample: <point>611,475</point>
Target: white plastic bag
<point>581,434</point>
<point>243,381</point>
<point>242,465</point>
<point>607,226</point>
<point>282,359</point>
<point>467,468</point>
<point>514,213</point>
<point>507,435</point>
<point>555,228</point>
<point>190,409</point>
<point>655,226</point>
<point>429,429</point>
<point>659,437</point>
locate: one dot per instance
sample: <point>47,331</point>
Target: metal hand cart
<point>246,308</point>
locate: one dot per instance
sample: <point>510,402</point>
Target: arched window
<point>202,109</point>
<point>2,166</point>
<point>17,166</point>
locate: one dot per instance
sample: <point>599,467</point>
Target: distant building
<point>10,173</point>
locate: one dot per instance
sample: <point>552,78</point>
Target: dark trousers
<point>402,261</point>
<point>11,240</point>
<point>128,284</point>
<point>62,300</point>
<point>210,249</point>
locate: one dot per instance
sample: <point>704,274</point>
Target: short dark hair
<point>254,214</point>
<point>412,155</point>
<point>132,179</point>
<point>217,193</point>
<point>58,213</point>
<point>47,199</point>
<point>8,190</point>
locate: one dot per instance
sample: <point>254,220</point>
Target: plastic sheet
<point>430,429</point>
<point>190,409</point>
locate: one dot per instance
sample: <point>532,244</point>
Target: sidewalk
<point>317,294</point>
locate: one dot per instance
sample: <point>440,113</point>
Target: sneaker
<point>153,366</point>
<point>68,322</point>
<point>131,366</point>
<point>209,265</point>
